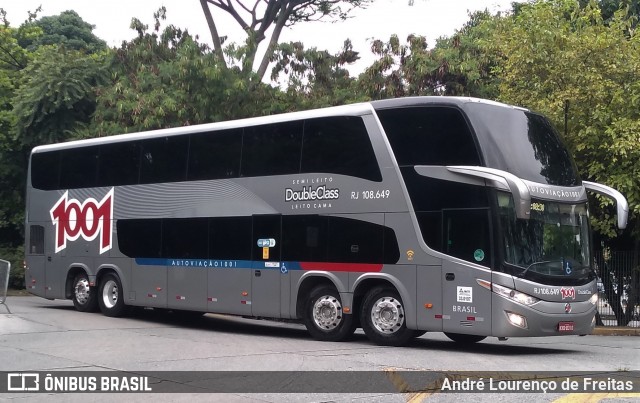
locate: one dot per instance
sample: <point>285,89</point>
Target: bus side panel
<point>429,298</point>
<point>149,283</point>
<point>187,288</point>
<point>229,290</point>
<point>35,273</point>
<point>467,305</point>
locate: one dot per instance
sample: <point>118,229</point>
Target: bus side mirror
<point>622,206</point>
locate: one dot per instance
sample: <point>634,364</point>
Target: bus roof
<point>357,109</point>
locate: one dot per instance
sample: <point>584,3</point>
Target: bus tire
<point>383,319</point>
<point>110,296</point>
<point>324,318</point>
<point>84,296</point>
<point>464,338</point>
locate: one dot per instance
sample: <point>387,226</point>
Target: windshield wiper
<point>541,262</point>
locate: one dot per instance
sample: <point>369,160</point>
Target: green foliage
<point>315,77</point>
<point>459,65</point>
<point>269,16</point>
<point>67,29</point>
<point>15,255</point>
<point>57,95</point>
<point>557,51</point>
<point>165,78</point>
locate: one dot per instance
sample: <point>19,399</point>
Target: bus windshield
<point>554,242</point>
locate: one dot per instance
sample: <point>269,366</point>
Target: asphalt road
<point>42,335</point>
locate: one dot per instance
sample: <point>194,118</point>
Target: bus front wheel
<point>324,318</point>
<point>383,319</point>
<point>110,296</point>
<point>84,296</point>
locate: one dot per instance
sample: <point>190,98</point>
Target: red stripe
<point>352,267</point>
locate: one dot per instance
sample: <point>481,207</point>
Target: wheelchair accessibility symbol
<point>283,269</point>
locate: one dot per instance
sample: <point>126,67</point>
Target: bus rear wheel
<point>324,318</point>
<point>465,338</point>
<point>383,318</point>
<point>84,296</point>
<point>110,296</point>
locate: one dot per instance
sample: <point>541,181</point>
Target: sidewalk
<point>616,331</point>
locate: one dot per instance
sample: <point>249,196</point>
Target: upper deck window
<point>523,143</point>
<point>429,136</point>
<point>330,145</point>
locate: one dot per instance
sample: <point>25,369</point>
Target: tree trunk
<point>217,45</point>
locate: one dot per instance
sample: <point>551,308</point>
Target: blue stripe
<point>219,264</point>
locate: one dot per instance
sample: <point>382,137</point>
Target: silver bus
<point>401,216</point>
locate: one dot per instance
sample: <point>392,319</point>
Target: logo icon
<point>410,254</point>
<point>568,269</point>
<point>18,382</point>
<point>568,293</point>
<point>567,308</point>
<point>88,219</point>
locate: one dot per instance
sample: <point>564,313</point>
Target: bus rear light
<point>517,320</point>
<point>594,299</point>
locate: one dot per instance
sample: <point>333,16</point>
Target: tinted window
<point>140,238</point>
<point>36,240</point>
<point>185,238</point>
<point>79,167</point>
<point>431,197</point>
<point>266,227</point>
<point>429,136</point>
<point>164,159</point>
<point>466,235</point>
<point>523,143</point>
<point>305,238</point>
<point>45,170</point>
<point>215,155</point>
<point>230,238</point>
<point>354,241</point>
<point>119,164</point>
<point>428,194</point>
<point>272,149</point>
<point>339,145</point>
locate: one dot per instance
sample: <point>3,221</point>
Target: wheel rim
<point>81,291</point>
<point>327,312</point>
<point>110,294</point>
<point>387,315</point>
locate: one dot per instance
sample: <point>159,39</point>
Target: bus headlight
<point>517,320</point>
<point>594,298</point>
<point>514,295</point>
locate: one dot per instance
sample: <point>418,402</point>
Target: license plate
<point>565,327</point>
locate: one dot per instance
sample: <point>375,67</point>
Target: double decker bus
<point>401,216</point>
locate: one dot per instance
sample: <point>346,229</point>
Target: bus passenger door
<point>266,273</point>
<point>466,305</point>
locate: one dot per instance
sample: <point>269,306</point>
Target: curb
<point>616,331</point>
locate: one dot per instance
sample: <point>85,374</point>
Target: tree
<point>165,78</point>
<point>58,94</point>
<point>263,15</point>
<point>315,77</point>
<point>67,29</point>
<point>46,93</point>
<point>556,52</point>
